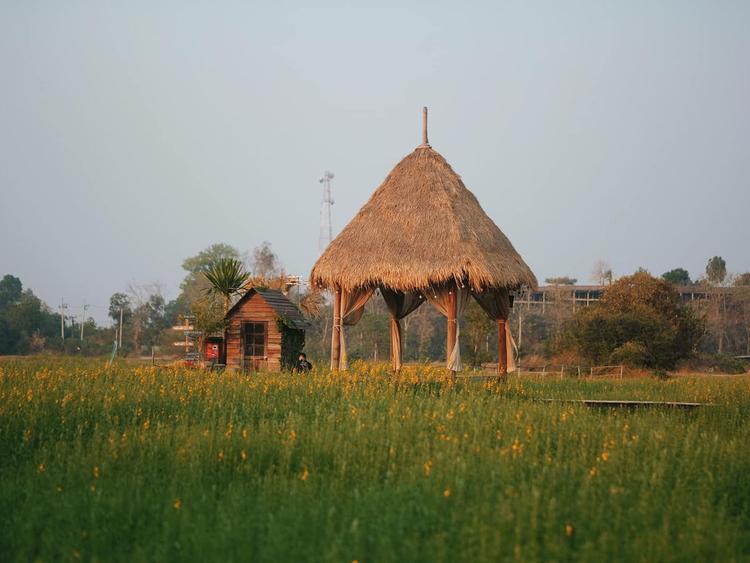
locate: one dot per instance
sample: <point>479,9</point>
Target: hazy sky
<point>134,134</point>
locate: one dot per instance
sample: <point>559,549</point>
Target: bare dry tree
<point>602,272</point>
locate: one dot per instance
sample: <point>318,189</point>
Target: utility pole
<point>326,227</point>
<point>119,343</point>
<point>83,318</point>
<point>63,306</point>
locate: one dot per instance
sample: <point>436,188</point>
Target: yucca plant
<point>227,278</point>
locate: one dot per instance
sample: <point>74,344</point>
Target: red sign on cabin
<point>212,351</point>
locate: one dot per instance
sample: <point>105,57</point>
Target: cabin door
<point>255,345</point>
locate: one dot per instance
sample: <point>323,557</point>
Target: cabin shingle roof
<point>279,302</point>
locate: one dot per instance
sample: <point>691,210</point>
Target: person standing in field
<point>303,366</point>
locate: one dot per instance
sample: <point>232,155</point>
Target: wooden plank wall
<point>254,309</point>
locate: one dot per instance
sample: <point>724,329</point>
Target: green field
<point>152,464</point>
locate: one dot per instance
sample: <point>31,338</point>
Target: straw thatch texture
<point>421,228</point>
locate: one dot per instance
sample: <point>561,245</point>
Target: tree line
<point>640,321</point>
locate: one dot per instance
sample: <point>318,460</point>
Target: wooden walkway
<point>627,404</point>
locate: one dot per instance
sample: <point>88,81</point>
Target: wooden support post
<point>520,332</point>
<point>395,345</point>
<point>336,332</point>
<point>502,350</point>
<point>452,325</point>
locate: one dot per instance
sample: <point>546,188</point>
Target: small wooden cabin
<point>265,331</point>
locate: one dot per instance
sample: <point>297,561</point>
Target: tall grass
<point>156,464</point>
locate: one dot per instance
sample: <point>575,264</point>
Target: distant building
<point>265,331</point>
<point>577,296</point>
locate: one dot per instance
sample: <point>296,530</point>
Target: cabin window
<point>255,339</point>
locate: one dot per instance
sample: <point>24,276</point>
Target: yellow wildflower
<point>517,447</point>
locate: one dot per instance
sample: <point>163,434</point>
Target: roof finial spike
<point>425,143</point>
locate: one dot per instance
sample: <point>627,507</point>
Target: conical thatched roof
<point>420,228</point>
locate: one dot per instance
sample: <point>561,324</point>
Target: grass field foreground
<point>155,464</point>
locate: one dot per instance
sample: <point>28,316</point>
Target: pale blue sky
<point>134,134</point>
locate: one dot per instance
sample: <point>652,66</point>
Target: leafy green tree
<point>202,261</point>
<point>561,280</point>
<point>117,302</point>
<point>677,276</point>
<point>193,289</point>
<point>227,278</point>
<point>10,290</point>
<point>7,339</point>
<point>640,317</point>
<point>28,325</point>
<point>27,315</point>
<point>369,339</point>
<point>716,270</point>
<point>151,315</point>
<point>24,319</point>
<point>478,331</point>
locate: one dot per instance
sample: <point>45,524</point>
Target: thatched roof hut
<point>422,234</point>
